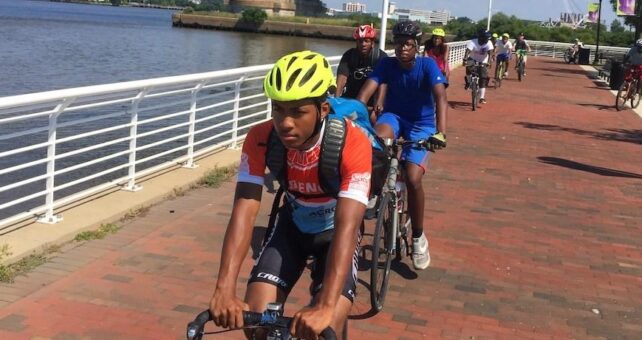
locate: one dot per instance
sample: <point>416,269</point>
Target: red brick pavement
<point>534,219</point>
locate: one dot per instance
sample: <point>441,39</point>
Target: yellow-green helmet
<point>495,35</point>
<point>506,35</point>
<point>439,32</point>
<point>299,75</point>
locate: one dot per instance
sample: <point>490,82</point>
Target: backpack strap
<point>276,159</point>
<point>330,156</point>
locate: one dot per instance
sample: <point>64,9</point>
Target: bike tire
<point>635,94</point>
<point>520,71</point>
<point>474,92</point>
<point>621,97</point>
<point>381,252</point>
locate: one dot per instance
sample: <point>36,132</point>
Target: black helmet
<point>483,33</point>
<point>409,28</point>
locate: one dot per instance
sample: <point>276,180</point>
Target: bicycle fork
<point>391,183</point>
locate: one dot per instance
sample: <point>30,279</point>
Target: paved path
<point>534,215</point>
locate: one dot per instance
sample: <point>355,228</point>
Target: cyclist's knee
<point>384,131</point>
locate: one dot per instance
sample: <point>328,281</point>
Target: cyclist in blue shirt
<point>415,108</point>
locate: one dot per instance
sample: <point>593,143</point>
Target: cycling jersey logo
<point>360,182</point>
<point>244,167</point>
<point>273,278</point>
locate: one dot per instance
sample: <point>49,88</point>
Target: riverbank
<point>130,4</point>
<point>268,27</point>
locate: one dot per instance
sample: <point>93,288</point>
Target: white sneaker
<point>506,74</point>
<point>420,253</point>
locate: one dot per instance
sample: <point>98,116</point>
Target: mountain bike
<point>473,80</point>
<point>520,63</point>
<point>392,224</point>
<point>272,320</point>
<point>499,72</point>
<point>630,89</point>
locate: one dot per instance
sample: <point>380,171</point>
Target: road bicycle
<point>499,72</point>
<point>272,320</point>
<point>520,64</point>
<point>391,233</point>
<point>630,89</point>
<point>473,80</point>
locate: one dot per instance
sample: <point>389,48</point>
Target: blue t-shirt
<point>410,91</point>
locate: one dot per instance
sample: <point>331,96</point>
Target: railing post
<point>235,117</point>
<point>133,134</point>
<point>192,127</point>
<point>49,217</point>
<point>268,115</point>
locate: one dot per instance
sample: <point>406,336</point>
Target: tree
<point>616,26</point>
<point>115,2</point>
<point>634,20</point>
<point>254,15</point>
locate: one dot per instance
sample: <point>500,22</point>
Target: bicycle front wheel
<point>622,95</point>
<point>474,92</point>
<point>520,71</point>
<point>635,94</point>
<point>382,246</point>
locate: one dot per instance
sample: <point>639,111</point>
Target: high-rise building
<point>354,7</point>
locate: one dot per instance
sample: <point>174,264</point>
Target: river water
<point>48,45</point>
<point>51,45</point>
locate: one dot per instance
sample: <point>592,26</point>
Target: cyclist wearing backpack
<point>414,86</point>
<point>357,63</point>
<point>314,220</point>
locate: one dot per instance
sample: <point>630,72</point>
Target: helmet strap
<point>317,124</point>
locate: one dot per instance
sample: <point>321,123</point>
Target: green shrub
<point>254,15</point>
<point>188,10</point>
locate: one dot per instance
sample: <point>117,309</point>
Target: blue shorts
<point>503,57</point>
<point>411,131</point>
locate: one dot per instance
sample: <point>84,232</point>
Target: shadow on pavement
<point>620,135</point>
<point>600,107</point>
<point>459,105</point>
<point>587,168</point>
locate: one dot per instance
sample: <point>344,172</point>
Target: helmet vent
<point>317,86</point>
<point>308,75</point>
<point>310,56</point>
<point>278,79</point>
<point>292,60</point>
<point>292,78</point>
<point>325,63</point>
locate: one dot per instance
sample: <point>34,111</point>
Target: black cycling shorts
<point>285,253</point>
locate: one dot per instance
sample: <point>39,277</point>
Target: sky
<point>478,9</point>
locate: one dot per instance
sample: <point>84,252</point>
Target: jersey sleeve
<point>379,73</point>
<point>344,68</point>
<point>434,75</point>
<point>470,45</point>
<point>252,165</point>
<point>356,165</point>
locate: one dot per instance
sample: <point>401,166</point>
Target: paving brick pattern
<point>534,215</point>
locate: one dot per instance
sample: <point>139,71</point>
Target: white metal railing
<point>557,50</point>
<point>58,147</point>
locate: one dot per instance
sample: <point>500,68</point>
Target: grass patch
<point>133,213</point>
<point>9,272</point>
<point>214,177</point>
<point>97,234</point>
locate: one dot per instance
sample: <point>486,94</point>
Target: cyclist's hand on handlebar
<point>227,309</point>
<point>436,141</point>
<point>309,322</point>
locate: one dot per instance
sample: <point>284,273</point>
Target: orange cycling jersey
<point>311,211</point>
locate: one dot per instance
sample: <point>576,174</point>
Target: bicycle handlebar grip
<point>251,318</point>
<point>195,328</point>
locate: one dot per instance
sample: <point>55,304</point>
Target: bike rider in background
<point>503,49</point>
<point>577,44</point>
<point>634,59</point>
<point>415,108</point>
<point>522,47</point>
<point>480,50</point>
<point>437,49</point>
<point>357,63</point>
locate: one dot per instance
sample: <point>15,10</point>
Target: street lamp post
<point>599,26</point>
<point>490,13</point>
<point>384,24</point>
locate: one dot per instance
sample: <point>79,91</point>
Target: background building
<point>354,7</point>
